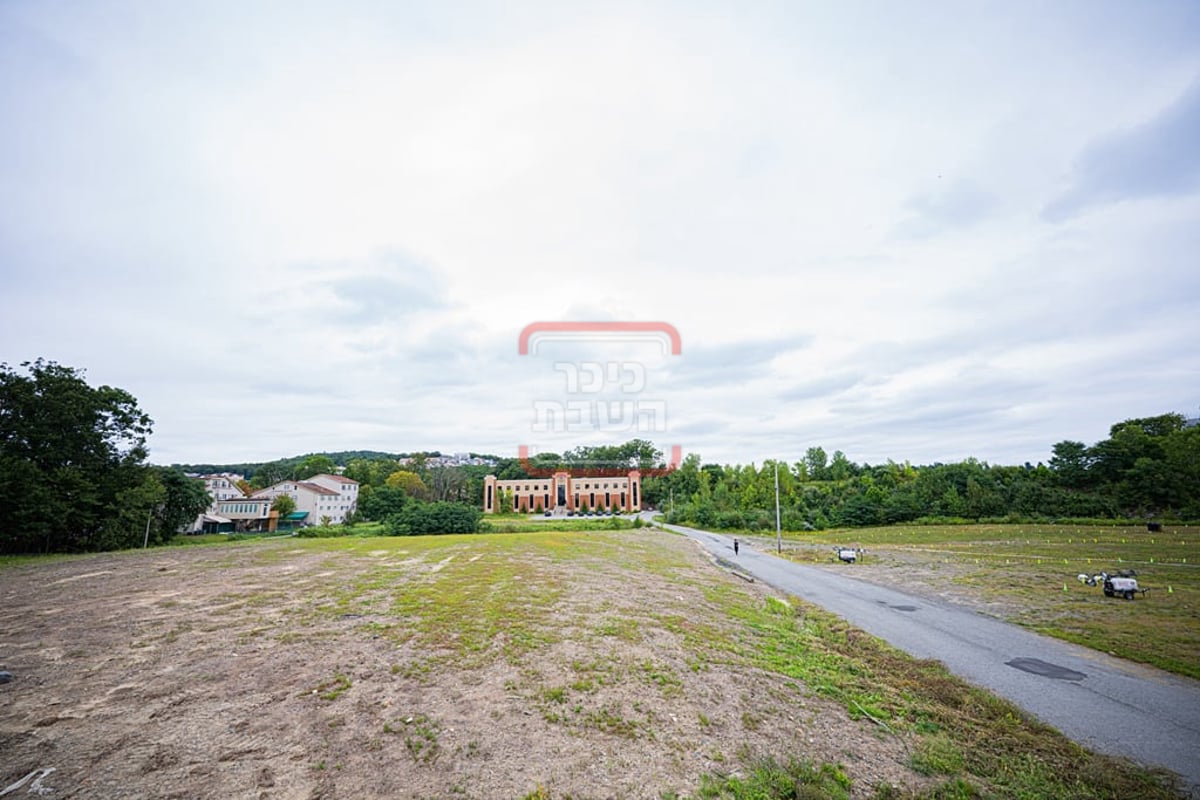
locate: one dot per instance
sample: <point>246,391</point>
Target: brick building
<point>562,491</point>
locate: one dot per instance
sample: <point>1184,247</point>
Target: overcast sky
<point>905,230</point>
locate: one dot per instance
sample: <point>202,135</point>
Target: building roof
<point>338,478</point>
<point>316,487</point>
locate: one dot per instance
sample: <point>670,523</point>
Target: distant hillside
<point>249,468</point>
<point>340,457</point>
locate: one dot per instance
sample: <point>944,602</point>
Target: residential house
<point>220,487</point>
<point>245,514</point>
<point>332,497</point>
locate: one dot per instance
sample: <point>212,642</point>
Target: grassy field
<point>611,642</point>
<point>524,524</point>
<point>1027,575</point>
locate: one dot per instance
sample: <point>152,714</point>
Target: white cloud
<point>286,229</point>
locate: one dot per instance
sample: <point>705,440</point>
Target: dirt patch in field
<point>230,672</point>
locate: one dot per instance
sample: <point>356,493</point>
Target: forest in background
<point>1147,468</point>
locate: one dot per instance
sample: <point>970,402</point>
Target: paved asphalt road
<point>1104,703</point>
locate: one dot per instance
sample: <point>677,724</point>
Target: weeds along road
<point>1104,703</point>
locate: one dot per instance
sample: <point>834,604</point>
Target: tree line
<point>73,471</point>
<point>1146,468</point>
<point>74,477</point>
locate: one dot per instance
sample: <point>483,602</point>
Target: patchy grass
<point>1026,574</point>
<point>28,560</point>
<point>768,779</point>
<point>189,539</point>
<point>333,688</point>
<point>984,743</point>
<point>421,738</point>
<point>626,643</point>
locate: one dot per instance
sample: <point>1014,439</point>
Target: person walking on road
<point>735,547</point>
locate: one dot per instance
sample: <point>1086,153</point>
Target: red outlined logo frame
<point>527,343</point>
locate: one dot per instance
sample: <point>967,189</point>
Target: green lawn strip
<point>26,560</point>
<point>534,524</point>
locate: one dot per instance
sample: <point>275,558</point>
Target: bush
<point>419,518</point>
<point>729,520</point>
<point>325,532</point>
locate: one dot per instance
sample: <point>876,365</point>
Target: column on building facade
<point>489,494</point>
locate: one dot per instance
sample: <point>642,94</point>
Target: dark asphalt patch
<point>1047,670</point>
<point>896,608</point>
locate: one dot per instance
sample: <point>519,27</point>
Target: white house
<point>220,487</point>
<point>346,488</point>
<point>321,496</point>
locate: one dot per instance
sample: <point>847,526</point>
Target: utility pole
<point>778,528</point>
<point>146,540</point>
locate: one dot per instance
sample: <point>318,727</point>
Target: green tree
<point>71,456</point>
<point>1070,464</point>
<point>371,471</point>
<point>952,504</point>
<point>841,468</point>
<point>380,502</point>
<point>133,519</point>
<point>269,474</point>
<point>1148,487</point>
<point>449,483</point>
<point>183,500</point>
<point>410,482</point>
<point>284,504</point>
<point>317,464</point>
<point>1182,452</point>
<point>1134,464</point>
<point>814,461</point>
